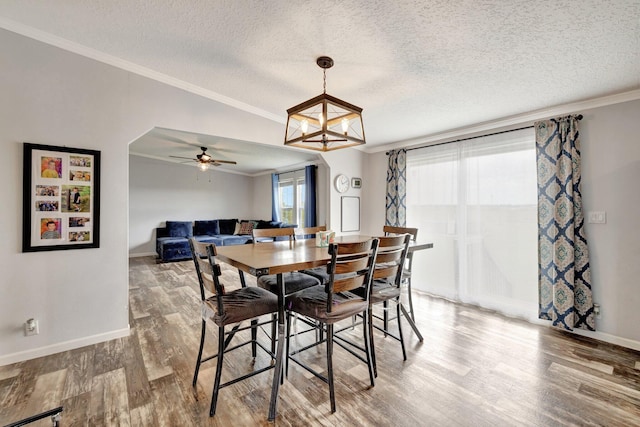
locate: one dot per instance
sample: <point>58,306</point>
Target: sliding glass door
<point>476,200</point>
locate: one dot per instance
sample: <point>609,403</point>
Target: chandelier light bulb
<point>345,125</point>
<point>304,126</point>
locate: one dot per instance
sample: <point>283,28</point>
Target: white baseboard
<point>597,335</point>
<point>611,339</point>
<point>63,346</point>
<point>141,254</point>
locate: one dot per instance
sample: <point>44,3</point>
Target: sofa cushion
<point>206,228</point>
<point>228,240</point>
<point>179,229</point>
<point>227,226</point>
<point>216,240</point>
<point>263,224</point>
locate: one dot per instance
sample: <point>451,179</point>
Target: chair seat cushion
<point>312,302</point>
<point>242,304</point>
<point>293,282</point>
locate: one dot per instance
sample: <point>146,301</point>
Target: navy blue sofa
<point>172,240</point>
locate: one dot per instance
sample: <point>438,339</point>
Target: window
<point>291,197</point>
<point>477,201</point>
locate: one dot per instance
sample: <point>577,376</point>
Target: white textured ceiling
<point>416,67</point>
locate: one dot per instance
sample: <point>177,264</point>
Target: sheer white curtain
<point>476,200</point>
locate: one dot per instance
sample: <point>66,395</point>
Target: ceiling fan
<point>205,160</point>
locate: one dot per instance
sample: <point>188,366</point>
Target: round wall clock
<point>341,183</point>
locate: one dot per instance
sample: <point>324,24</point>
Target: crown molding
<point>131,67</point>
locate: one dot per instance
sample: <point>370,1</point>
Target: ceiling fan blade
<point>231,162</point>
<point>187,158</point>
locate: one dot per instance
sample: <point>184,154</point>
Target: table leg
<point>277,374</point>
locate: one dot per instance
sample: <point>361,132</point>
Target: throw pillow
<point>206,228</point>
<point>236,231</point>
<point>227,226</point>
<point>246,227</point>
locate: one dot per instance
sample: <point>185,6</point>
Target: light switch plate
<point>597,217</point>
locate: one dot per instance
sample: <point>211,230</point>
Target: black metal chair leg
<point>368,348</point>
<point>274,332</point>
<point>367,326</point>
<point>286,352</point>
<point>332,395</point>
<point>216,384</point>
<point>254,337</point>
<point>413,317</point>
<point>195,374</point>
<point>385,316</point>
<point>404,352</point>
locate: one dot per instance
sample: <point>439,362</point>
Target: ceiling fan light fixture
<point>324,123</point>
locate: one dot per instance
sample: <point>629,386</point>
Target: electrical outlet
<point>596,310</point>
<point>31,327</point>
<point>597,217</point>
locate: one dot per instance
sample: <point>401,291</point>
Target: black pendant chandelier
<point>324,123</point>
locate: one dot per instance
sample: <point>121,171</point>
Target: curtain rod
<point>295,170</point>
<point>579,117</point>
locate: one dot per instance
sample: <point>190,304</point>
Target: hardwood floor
<point>475,368</point>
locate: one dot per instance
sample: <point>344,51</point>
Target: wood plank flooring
<point>475,368</point>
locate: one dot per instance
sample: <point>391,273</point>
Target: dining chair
<point>308,232</point>
<point>319,273</point>
<point>293,281</point>
<point>228,309</point>
<point>389,230</point>
<point>350,268</point>
<point>386,286</point>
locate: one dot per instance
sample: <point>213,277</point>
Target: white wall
<point>50,96</point>
<point>610,176</point>
<point>349,162</point>
<point>262,196</point>
<point>161,191</point>
<point>374,186</point>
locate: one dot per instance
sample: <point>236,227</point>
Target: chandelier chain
<point>324,80</point>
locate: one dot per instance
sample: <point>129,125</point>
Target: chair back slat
<point>391,230</point>
<point>385,272</point>
<point>272,233</point>
<point>349,283</point>
<point>208,272</point>
<point>302,232</point>
<point>392,252</point>
<point>351,265</point>
<point>413,232</point>
<point>350,268</point>
<point>350,248</point>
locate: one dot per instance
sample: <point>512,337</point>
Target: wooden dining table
<point>278,258</point>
